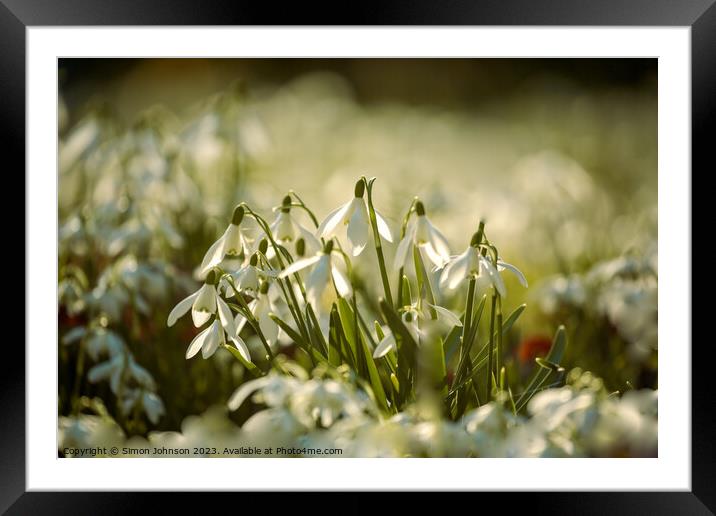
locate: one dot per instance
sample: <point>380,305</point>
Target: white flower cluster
<point>622,291</point>
<point>242,262</point>
<point>306,417</point>
<point>133,385</point>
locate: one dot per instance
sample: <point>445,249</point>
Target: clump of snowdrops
<point>287,283</point>
<point>614,307</point>
<point>328,415</point>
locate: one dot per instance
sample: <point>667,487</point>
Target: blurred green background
<point>559,156</point>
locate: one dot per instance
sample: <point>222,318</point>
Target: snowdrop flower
<point>420,232</point>
<point>388,343</point>
<point>232,243</point>
<point>324,269</point>
<point>410,318</point>
<point>472,264</point>
<point>149,402</point>
<point>247,278</point>
<point>114,371</point>
<point>323,402</point>
<point>286,229</point>
<point>260,307</point>
<point>203,304</point>
<point>275,389</point>
<point>209,340</point>
<point>153,406</point>
<point>354,215</point>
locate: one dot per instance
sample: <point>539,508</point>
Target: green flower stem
<point>250,317</point>
<point>79,371</point>
<point>464,344</point>
<point>403,229</point>
<point>498,361</point>
<point>377,242</point>
<point>303,206</point>
<point>277,249</point>
<point>491,347</point>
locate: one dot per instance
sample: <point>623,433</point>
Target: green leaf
<point>548,366</point>
<point>349,330</point>
<point>425,290</point>
<point>315,330</point>
<point>406,299</point>
<point>250,367</point>
<point>293,334</point>
<point>334,338</point>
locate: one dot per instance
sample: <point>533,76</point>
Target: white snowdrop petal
<point>242,347</point>
<point>212,342</point>
<point>227,320</point>
<point>384,347</point>
<point>514,270</point>
<point>342,284</point>
<point>358,230</point>
<point>242,393</point>
<point>401,254</point>
<point>439,243</point>
<point>447,315</point>
<point>332,221</point>
<point>214,254</point>
<point>383,227</point>
<point>299,265</point>
<point>197,343</point>
<point>181,308</point>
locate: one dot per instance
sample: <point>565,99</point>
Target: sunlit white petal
<point>332,221</point>
<point>198,342</point>
<point>514,270</point>
<point>299,265</point>
<point>446,315</point>
<point>383,227</point>
<point>181,308</point>
<point>384,346</point>
<point>358,229</point>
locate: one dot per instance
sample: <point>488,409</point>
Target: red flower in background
<point>532,347</point>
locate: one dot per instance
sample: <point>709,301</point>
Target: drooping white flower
<point>120,367</point>
<point>286,229</point>
<point>153,406</point>
<point>247,279</point>
<point>324,269</point>
<point>471,264</point>
<point>353,216</point>
<point>275,390</point>
<point>260,307</point>
<point>410,318</point>
<point>232,243</point>
<point>204,303</point>
<point>420,232</point>
<point>209,340</point>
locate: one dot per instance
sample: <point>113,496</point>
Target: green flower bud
<point>238,215</point>
<point>300,247</point>
<point>419,208</point>
<point>360,188</point>
<point>477,237</point>
<point>254,259</point>
<point>212,278</point>
<point>286,204</point>
<point>264,287</point>
<point>263,246</point>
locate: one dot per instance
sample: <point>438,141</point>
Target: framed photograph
<point>420,253</point>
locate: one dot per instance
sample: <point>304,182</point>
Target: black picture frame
<point>17,15</point>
